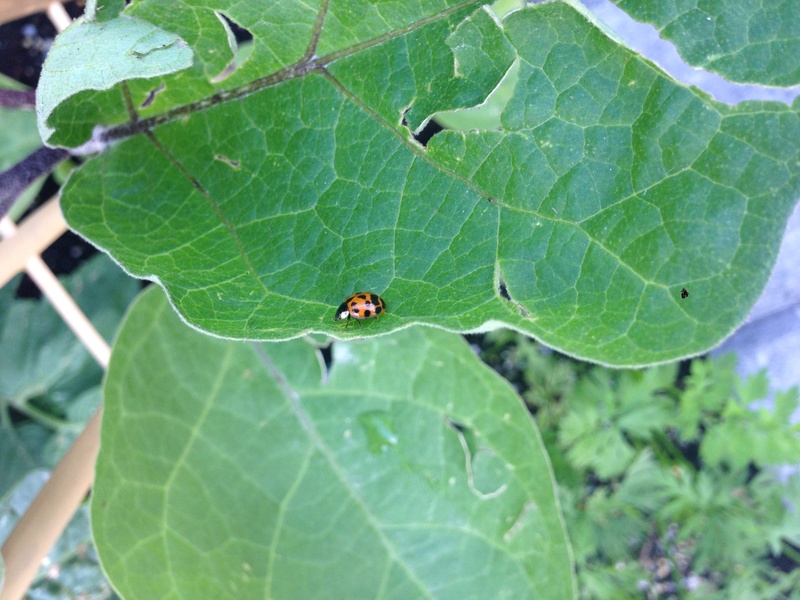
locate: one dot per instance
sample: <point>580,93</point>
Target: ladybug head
<point>341,313</point>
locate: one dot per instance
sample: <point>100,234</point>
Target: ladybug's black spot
<point>354,310</point>
<point>367,313</point>
<point>378,309</point>
<point>362,296</point>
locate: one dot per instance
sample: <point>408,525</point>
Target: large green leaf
<point>260,199</point>
<point>49,388</point>
<point>93,55</point>
<point>41,355</point>
<point>756,41</point>
<point>241,470</point>
<point>45,372</point>
<point>18,127</point>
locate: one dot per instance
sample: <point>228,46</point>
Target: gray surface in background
<point>770,337</point>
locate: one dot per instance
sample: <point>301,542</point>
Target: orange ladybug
<point>358,306</point>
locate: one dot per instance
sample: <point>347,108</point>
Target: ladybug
<point>361,305</point>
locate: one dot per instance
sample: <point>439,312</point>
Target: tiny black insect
<point>684,293</point>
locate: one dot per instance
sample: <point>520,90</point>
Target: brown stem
<point>14,180</point>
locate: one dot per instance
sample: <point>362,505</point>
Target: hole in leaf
<point>326,359</point>
<point>502,289</point>
<point>234,164</point>
<point>455,425</point>
<point>327,355</point>
<point>242,34</point>
<point>152,95</point>
<point>486,116</point>
<point>424,135</point>
<point>240,41</point>
<point>431,129</point>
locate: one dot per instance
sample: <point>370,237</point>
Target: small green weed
<point>668,483</point>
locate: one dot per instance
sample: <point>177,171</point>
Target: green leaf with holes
<point>93,55</point>
<point>260,197</point>
<point>244,470</point>
<point>751,41</point>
